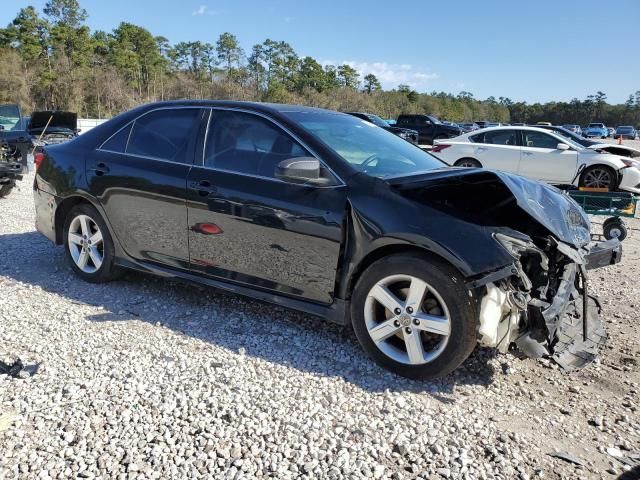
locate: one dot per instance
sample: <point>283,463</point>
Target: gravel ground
<point>145,378</point>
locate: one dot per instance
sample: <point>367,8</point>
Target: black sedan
<point>321,212</point>
<point>404,133</point>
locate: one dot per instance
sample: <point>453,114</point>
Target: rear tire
<point>88,245</point>
<point>427,325</point>
<point>468,163</point>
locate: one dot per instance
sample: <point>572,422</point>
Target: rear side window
<point>118,143</point>
<point>497,137</point>
<point>164,134</point>
<point>246,143</point>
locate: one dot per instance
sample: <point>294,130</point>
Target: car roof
<point>511,127</point>
<point>258,106</point>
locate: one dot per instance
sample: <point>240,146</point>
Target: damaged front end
<point>540,302</point>
<point>544,306</point>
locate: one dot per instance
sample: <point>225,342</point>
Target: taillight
<point>439,147</point>
<point>38,157</point>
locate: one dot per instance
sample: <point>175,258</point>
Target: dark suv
<point>404,133</point>
<point>429,128</point>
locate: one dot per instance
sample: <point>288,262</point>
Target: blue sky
<point>535,51</point>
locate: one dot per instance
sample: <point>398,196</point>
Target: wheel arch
<point>385,251</point>
<point>64,207</point>
<point>467,158</point>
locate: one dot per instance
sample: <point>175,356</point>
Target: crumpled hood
<point>59,120</point>
<point>552,209</point>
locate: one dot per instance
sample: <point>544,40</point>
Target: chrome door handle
<point>527,153</point>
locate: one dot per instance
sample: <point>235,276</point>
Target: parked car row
<point>405,133</point>
<point>541,153</point>
<point>332,215</point>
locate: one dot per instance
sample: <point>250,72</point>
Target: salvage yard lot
<point>156,379</point>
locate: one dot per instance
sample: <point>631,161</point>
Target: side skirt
<point>335,312</point>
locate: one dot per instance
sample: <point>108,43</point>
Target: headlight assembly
<point>515,246</point>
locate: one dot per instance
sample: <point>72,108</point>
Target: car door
<point>139,176</point>
<point>249,227</point>
<point>543,160</point>
<point>497,149</point>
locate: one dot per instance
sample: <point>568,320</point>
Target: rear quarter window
<point>164,134</point>
<point>118,142</point>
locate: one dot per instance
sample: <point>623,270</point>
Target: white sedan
<point>542,155</point>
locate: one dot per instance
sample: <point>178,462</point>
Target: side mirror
<point>563,146</point>
<point>301,170</point>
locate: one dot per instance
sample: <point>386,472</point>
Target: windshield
<point>625,129</point>
<point>563,132</point>
<point>10,117</point>
<point>366,148</point>
<point>570,137</point>
<point>376,120</point>
<point>596,125</point>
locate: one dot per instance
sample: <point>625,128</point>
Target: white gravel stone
<point>144,378</point>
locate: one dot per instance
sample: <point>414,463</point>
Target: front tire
<point>413,315</point>
<point>599,176</point>
<point>88,245</point>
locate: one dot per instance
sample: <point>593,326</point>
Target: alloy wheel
<point>597,178</point>
<point>86,244</point>
<point>407,319</point>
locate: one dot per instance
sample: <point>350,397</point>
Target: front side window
<point>164,134</point>
<point>539,140</point>
<point>246,143</point>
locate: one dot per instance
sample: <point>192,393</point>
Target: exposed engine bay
<point>540,303</point>
<point>541,307</point>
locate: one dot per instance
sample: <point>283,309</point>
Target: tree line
<point>52,60</point>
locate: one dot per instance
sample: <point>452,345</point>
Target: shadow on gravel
<point>264,331</point>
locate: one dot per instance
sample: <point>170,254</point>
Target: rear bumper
<point>603,254</point>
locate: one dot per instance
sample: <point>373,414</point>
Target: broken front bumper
<point>603,254</point>
<point>565,325</point>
